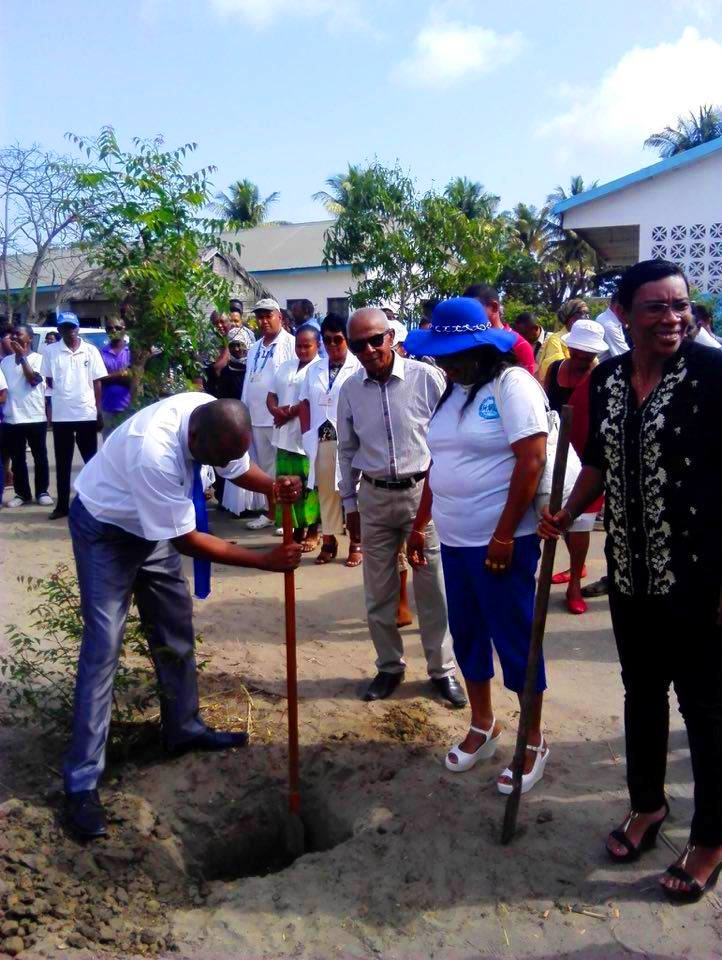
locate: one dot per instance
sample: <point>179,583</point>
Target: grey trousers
<point>112,566</point>
<point>386,519</point>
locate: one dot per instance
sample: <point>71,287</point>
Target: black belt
<point>404,484</point>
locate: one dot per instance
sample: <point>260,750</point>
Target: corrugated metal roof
<point>646,173</point>
<point>282,246</point>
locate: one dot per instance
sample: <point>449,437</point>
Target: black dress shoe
<point>57,514</point>
<point>209,740</point>
<point>383,685</point>
<point>599,588</point>
<point>84,814</point>
<point>450,690</point>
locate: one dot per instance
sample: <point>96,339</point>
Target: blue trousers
<point>112,566</point>
<point>485,607</point>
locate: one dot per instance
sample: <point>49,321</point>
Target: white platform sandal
<point>464,760</point>
<point>528,780</point>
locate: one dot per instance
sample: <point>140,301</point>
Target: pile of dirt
<point>56,894</point>
<point>410,721</point>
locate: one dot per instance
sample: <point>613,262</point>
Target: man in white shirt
<point>613,331</point>
<point>273,348</point>
<point>73,370</point>
<point>25,418</point>
<point>141,504</point>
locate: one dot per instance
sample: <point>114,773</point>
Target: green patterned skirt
<point>306,510</point>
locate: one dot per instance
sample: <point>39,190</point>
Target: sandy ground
<point>407,861</point>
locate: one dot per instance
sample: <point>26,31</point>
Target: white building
<point>287,258</point>
<point>671,210</point>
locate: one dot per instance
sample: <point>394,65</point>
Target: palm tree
<point>690,132</point>
<point>532,229</point>
<point>242,203</point>
<point>471,198</point>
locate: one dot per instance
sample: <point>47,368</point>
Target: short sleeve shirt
<point>73,373</point>
<point>141,479</point>
<point>287,386</point>
<point>25,402</point>
<point>661,464</point>
<point>472,459</point>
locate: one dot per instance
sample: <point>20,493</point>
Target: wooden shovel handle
<point>294,799</point>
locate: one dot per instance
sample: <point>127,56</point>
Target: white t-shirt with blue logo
<point>473,460</point>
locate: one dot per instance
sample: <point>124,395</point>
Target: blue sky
<point>519,95</point>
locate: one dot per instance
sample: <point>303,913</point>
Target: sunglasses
<point>358,346</point>
<point>336,341</point>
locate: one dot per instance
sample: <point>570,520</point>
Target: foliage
<point>242,204</point>
<point>36,192</point>
<point>38,675</point>
<point>513,307</point>
<point>691,131</point>
<point>141,216</point>
<point>404,246</point>
<point>471,198</point>
<point>550,264</point>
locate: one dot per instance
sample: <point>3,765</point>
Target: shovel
<point>294,829</point>
<point>541,603</point>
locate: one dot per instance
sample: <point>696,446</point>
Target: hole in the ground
<point>257,839</point>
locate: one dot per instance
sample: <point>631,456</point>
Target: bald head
<point>219,431</point>
<point>361,319</point>
<point>371,338</point>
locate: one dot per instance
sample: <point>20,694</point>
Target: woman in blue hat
<point>488,446</point>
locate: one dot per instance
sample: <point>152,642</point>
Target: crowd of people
<point>427,448</point>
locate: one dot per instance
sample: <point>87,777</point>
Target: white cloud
<point>446,51</point>
<point>646,91</point>
<point>262,13</point>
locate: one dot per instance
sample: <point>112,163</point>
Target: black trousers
<point>18,437</point>
<point>65,436</point>
<point>662,642</point>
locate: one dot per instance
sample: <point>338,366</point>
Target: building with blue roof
<point>671,210</point>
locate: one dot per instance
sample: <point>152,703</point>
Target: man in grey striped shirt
<point>383,418</point>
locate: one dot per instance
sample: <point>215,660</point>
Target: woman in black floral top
<point>655,448</point>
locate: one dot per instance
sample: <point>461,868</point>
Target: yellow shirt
<point>552,349</point>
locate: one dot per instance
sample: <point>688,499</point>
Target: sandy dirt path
<point>407,860</point>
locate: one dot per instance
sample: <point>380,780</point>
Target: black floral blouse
<point>662,468</point>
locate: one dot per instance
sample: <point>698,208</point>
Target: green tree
<point>243,205</point>
<point>471,198</point>
<point>690,131</point>
<point>406,246</point>
<point>142,227</point>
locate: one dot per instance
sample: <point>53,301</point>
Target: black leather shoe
<point>383,685</point>
<point>450,690</point>
<point>57,514</point>
<point>84,814</point>
<point>209,740</point>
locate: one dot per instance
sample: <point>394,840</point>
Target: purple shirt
<point>115,396</point>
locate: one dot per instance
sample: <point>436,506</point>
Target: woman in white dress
<point>319,405</point>
<point>284,404</point>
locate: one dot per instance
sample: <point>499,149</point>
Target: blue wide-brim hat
<point>457,325</point>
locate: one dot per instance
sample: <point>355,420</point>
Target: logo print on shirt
<point>487,409</point>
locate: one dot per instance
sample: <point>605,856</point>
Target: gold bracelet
<point>504,543</point>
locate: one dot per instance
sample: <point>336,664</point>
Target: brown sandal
<point>328,552</point>
<point>309,544</point>
<point>355,555</point>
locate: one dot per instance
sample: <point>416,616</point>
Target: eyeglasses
<point>658,308</point>
<point>375,341</point>
<point>334,341</point>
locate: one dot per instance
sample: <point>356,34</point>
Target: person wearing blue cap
<point>487,439</point>
<point>74,371</point>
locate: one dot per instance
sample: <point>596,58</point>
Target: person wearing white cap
<point>74,371</point>
<point>265,356</point>
<point>567,382</point>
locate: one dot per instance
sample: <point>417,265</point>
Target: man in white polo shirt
<point>141,504</point>
<point>73,370</point>
<point>25,419</point>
